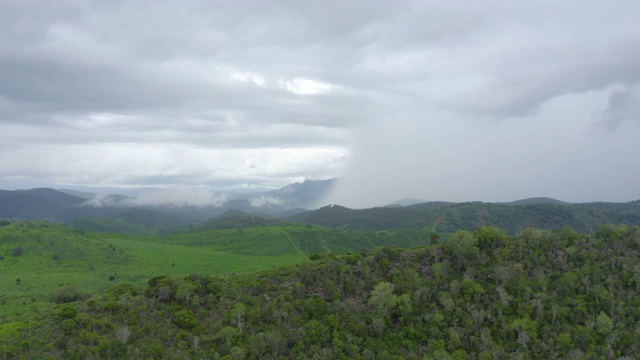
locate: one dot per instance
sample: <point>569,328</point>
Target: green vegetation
<point>450,217</point>
<point>131,221</point>
<point>110,225</point>
<point>39,257</point>
<point>116,215</point>
<point>299,238</point>
<point>484,295</point>
<point>440,216</point>
<point>232,220</point>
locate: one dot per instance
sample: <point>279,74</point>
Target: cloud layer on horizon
<point>431,99</point>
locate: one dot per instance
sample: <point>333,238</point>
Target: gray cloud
<point>209,93</point>
<point>623,105</point>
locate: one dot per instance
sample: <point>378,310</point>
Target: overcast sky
<point>436,100</point>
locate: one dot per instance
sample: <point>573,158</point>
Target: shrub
<point>67,294</point>
<point>17,251</point>
<point>117,291</point>
<point>185,319</point>
<point>68,312</point>
<point>68,326</point>
<point>157,280</point>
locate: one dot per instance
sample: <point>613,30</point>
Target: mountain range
<point>129,214</point>
<point>151,211</point>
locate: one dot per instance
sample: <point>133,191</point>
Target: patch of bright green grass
<point>293,239</point>
<point>54,255</point>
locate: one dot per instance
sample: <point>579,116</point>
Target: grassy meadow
<point>54,255</point>
<point>38,257</point>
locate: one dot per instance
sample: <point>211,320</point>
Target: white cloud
<point>170,196</point>
<point>248,76</point>
<point>302,86</point>
<point>157,165</point>
<point>106,200</point>
<point>262,201</point>
<point>179,196</point>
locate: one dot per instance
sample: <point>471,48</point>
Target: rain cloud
<point>435,100</point>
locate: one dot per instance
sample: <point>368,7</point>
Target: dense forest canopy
<point>480,295</point>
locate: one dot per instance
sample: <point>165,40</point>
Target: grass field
<point>55,255</point>
<point>38,257</point>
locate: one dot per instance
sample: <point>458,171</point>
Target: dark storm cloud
<point>578,72</point>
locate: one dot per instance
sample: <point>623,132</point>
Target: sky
<point>434,100</point>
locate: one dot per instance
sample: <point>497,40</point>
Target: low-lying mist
<point>173,196</point>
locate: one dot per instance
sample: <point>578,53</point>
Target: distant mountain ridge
<point>118,213</point>
<point>448,217</point>
<point>538,200</point>
<point>121,213</point>
<point>40,203</point>
<point>80,194</point>
<point>405,202</point>
<point>305,194</point>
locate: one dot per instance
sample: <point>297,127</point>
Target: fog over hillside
<point>157,208</point>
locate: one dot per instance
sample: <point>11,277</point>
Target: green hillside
<point>38,257</point>
<point>231,220</point>
<point>447,217</point>
<point>110,225</point>
<point>302,239</point>
<point>483,295</point>
<point>130,221</point>
<point>53,255</point>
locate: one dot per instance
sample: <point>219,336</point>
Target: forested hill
<point>449,217</point>
<point>41,203</point>
<point>482,295</point>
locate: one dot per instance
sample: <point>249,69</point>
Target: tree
<point>489,237</point>
<point>258,345</point>
<point>383,299</point>
<point>275,341</point>
<point>462,246</point>
<point>604,325</point>
<point>123,334</point>
<point>185,319</point>
<point>237,314</point>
